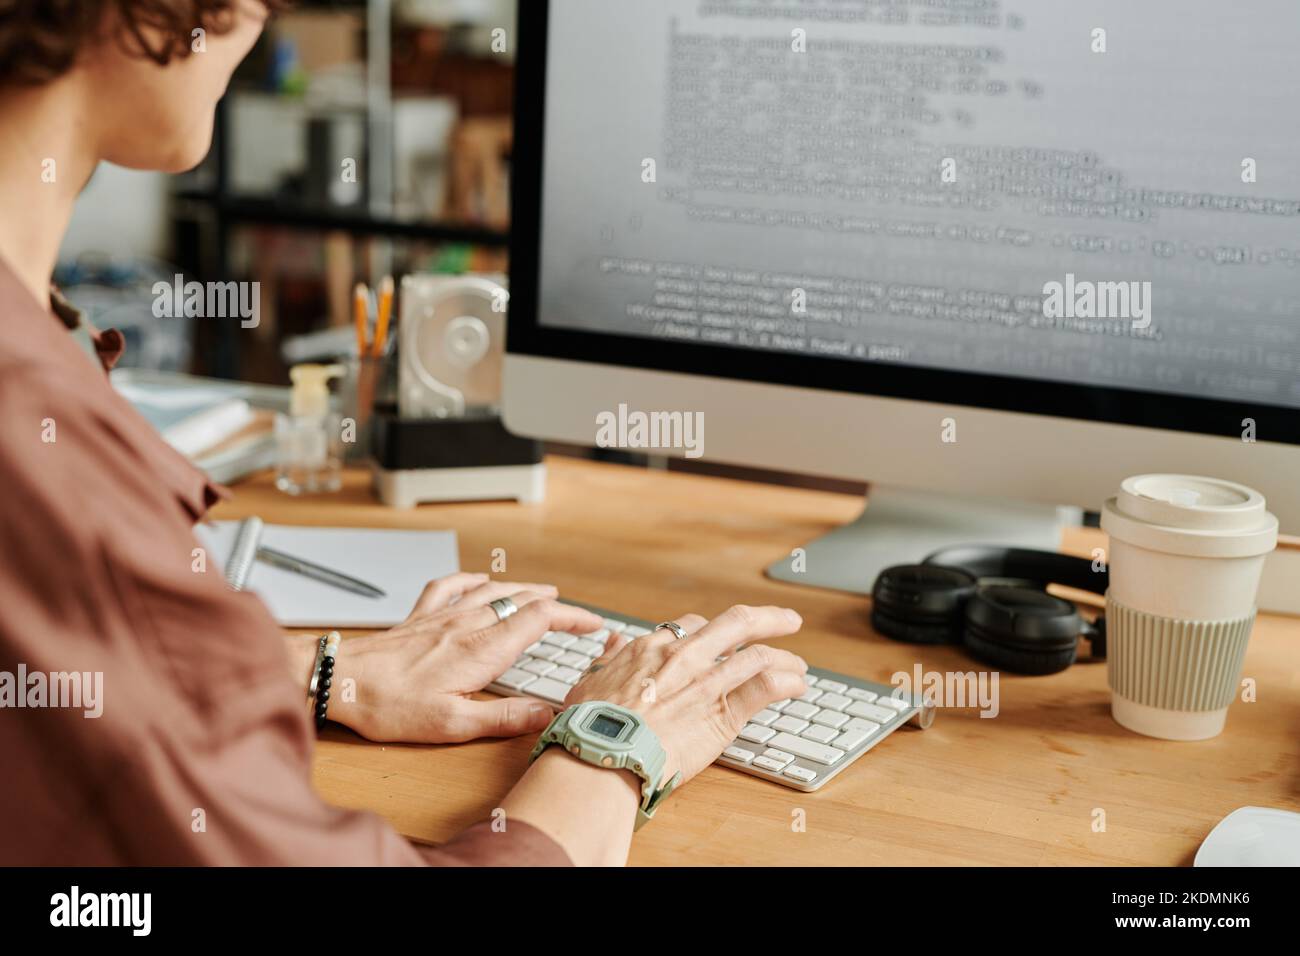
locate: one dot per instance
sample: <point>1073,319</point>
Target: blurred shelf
<point>307,216</point>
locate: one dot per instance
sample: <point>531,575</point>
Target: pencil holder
<point>361,387</point>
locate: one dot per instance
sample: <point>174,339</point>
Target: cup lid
<point>1191,515</point>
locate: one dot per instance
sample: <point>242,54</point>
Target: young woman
<point>202,750</point>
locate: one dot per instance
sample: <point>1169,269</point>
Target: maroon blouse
<point>201,752</point>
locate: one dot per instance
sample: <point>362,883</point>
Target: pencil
<point>385,312</point>
<point>361,315</point>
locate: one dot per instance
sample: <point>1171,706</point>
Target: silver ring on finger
<point>503,607</point>
<point>678,631</point>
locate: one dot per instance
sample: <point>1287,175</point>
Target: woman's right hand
<point>694,703</point>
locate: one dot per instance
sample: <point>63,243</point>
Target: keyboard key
<point>574,659</point>
<point>600,634</point>
<point>636,630</point>
<point>516,679</point>
<point>823,735</point>
<point>866,726</point>
<point>833,701</point>
<point>538,667</point>
<point>857,693</point>
<point>811,694</point>
<point>532,649</point>
<point>801,773</point>
<point>779,706</point>
<point>834,686</point>
<point>759,735</point>
<point>559,639</point>
<point>894,702</point>
<point>547,652</point>
<point>861,708</point>
<point>831,718</point>
<point>780,756</point>
<point>566,674</point>
<point>551,690</point>
<point>767,763</point>
<point>738,753</point>
<point>590,648</point>
<point>791,725</point>
<point>764,718</point>
<point>809,749</point>
<point>850,739</point>
<point>615,627</point>
<point>800,709</point>
<point>521,660</point>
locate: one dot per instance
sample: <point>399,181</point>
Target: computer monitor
<point>990,258</point>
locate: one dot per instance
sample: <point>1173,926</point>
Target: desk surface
<point>1022,788</point>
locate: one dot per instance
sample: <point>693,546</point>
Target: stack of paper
<point>212,423</point>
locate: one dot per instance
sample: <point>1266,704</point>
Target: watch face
<point>607,725</point>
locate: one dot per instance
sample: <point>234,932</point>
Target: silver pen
<point>338,579</point>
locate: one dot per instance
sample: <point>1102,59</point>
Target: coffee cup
<point>1185,558</point>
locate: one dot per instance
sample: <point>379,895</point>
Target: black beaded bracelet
<point>323,677</point>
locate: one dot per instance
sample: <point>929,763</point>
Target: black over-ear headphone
<point>994,601</point>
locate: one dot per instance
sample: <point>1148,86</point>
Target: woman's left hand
<point>413,683</point>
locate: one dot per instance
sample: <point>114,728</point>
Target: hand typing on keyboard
<point>802,741</point>
<point>703,695</point>
<point>413,683</point>
<point>694,703</point>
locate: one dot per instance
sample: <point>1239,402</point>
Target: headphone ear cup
<point>912,632</point>
<point>920,604</point>
<point>1022,630</point>
<point>1017,660</point>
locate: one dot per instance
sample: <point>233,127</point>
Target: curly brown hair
<point>41,39</point>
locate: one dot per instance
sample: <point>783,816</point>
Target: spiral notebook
<point>398,561</point>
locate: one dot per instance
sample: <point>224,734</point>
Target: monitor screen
<point>1010,197</point>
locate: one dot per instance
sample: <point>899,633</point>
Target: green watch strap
<point>614,738</point>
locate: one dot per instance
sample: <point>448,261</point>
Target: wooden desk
<point>1021,788</point>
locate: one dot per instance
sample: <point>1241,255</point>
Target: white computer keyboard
<point>797,743</point>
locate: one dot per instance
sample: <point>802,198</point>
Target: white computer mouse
<point>1253,836</point>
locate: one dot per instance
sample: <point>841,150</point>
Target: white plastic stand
<point>406,489</point>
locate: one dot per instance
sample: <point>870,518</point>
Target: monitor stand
<point>902,526</point>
